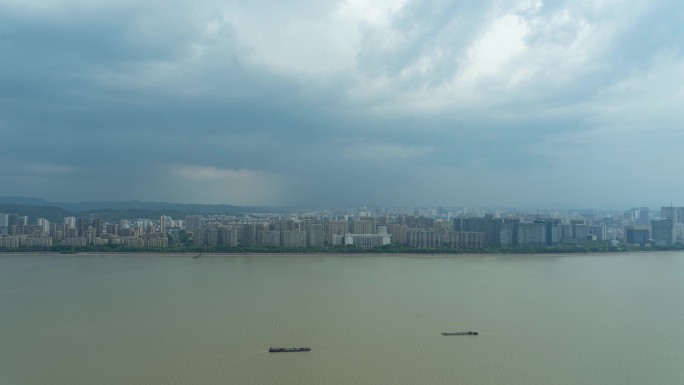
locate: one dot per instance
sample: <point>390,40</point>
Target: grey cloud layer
<point>391,102</point>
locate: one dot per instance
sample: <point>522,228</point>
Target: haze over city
<point>476,103</point>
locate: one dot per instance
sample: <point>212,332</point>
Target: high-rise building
<point>193,223</point>
<point>398,232</point>
<point>57,231</point>
<point>112,229</point>
<point>249,234</point>
<point>12,219</point>
<point>69,222</point>
<point>680,214</point>
<point>531,234</point>
<point>508,235</point>
<point>599,231</point>
<point>335,228</point>
<point>228,236</point>
<point>644,216</point>
<point>662,231</point>
<point>489,225</point>
<point>363,227</point>
<point>463,240</point>
<point>4,220</point>
<point>82,226</point>
<point>271,238</point>
<point>98,225</point>
<point>45,224</point>
<point>163,223</point>
<point>315,234</point>
<point>294,238</point>
<point>580,231</point>
<point>424,238</point>
<point>576,231</point>
<point>637,236</point>
<point>206,236</point>
<point>670,212</point>
<point>552,231</point>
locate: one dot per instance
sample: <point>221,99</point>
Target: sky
<point>332,103</point>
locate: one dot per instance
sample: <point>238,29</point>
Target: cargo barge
<point>287,350</point>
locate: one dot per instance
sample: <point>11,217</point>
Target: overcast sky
<point>395,102</point>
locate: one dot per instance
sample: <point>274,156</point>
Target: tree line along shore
<point>590,247</point>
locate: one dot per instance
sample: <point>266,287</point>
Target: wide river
<point>369,319</point>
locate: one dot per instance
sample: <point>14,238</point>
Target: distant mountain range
<point>54,211</point>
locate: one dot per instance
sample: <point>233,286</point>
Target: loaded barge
<point>460,334</point>
<point>285,350</point>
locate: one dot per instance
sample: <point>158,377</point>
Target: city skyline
<point>393,102</point>
<point>390,230</point>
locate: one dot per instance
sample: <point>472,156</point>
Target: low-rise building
<point>367,241</point>
<point>75,242</point>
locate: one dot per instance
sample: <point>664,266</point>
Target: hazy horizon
<point>33,201</point>
<point>505,103</point>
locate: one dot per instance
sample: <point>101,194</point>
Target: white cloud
<point>496,48</point>
<point>536,83</point>
<point>306,40</point>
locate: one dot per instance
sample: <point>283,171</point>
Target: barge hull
<point>288,350</point>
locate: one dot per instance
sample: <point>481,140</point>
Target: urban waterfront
<point>369,319</point>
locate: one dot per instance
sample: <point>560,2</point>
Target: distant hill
<point>119,214</point>
<point>52,214</point>
<point>25,201</point>
<point>154,207</point>
<point>57,214</point>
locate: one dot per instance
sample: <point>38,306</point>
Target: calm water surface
<point>145,319</point>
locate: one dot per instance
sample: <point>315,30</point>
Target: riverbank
<point>563,248</point>
<point>422,254</point>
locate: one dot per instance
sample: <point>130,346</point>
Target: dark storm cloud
<point>392,102</point>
